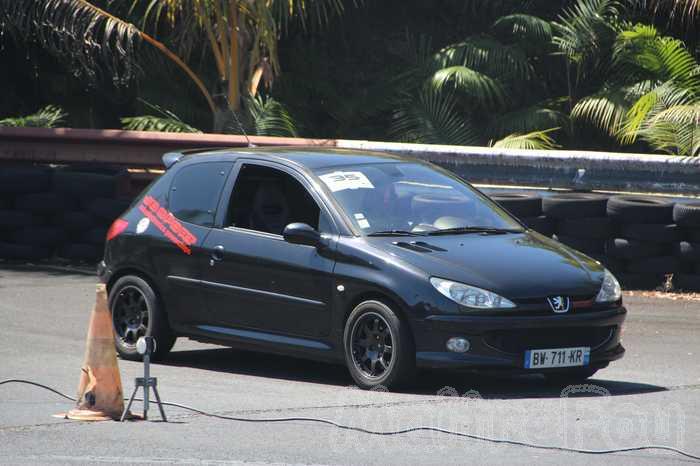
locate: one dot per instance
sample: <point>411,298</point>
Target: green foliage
<point>535,140</point>
<point>523,27</point>
<point>156,123</point>
<point>48,117</point>
<point>270,118</point>
<point>432,118</point>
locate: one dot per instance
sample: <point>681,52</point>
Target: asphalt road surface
<point>652,396</point>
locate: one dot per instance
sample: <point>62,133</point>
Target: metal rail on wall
<point>582,170</point>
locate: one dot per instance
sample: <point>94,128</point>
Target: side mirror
<point>301,233</point>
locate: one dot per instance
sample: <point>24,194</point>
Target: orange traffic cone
<point>100,396</point>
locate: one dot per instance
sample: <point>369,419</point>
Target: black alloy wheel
<point>137,312</point>
<point>379,349</point>
<point>130,315</point>
<point>372,345</point>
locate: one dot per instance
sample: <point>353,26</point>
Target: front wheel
<point>379,349</point>
<point>136,312</point>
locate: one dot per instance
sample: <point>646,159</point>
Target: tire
<point>570,376</point>
<point>401,367</point>
<point>686,282</point>
<point>574,205</point>
<point>640,209</point>
<point>152,321</point>
<point>521,205</point>
<point>13,219</point>
<point>85,185</point>
<point>586,228</point>
<point>639,281</point>
<point>687,214</point>
<point>22,180</point>
<point>541,224</point>
<point>43,203</point>
<point>655,265</point>
<point>74,221</point>
<point>651,232</point>
<point>23,251</point>
<point>40,236</point>
<point>585,245</point>
<point>107,209</point>
<point>621,248</point>
<point>81,252</point>
<point>688,252</point>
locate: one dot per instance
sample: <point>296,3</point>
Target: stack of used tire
<point>687,216</point>
<point>57,212</point>
<point>528,208</point>
<point>581,223</point>
<point>647,237</point>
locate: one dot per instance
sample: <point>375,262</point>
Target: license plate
<point>557,357</point>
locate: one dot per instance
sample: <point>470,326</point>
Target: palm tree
<point>653,93</point>
<point>98,38</point>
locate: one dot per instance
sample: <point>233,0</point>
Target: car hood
<point>515,265</point>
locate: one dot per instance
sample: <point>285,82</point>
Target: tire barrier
<point>49,213</point>
<point>643,240</point>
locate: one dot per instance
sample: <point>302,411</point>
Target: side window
<point>196,190</point>
<point>266,199</point>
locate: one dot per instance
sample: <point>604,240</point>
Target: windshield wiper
<point>475,229</point>
<point>395,233</point>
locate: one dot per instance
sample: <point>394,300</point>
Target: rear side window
<point>196,190</point>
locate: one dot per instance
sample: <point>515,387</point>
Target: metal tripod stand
<point>145,346</point>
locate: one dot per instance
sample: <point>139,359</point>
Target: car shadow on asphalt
<point>428,383</point>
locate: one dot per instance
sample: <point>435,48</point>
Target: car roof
<point>312,158</point>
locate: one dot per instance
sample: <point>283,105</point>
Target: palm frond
<point>526,120</point>
<point>586,28</point>
<point>48,117</point>
<point>432,118</point>
<point>605,110</point>
<point>93,41</point>
<point>488,56</point>
<point>270,117</point>
<point>523,27</point>
<point>650,56</point>
<point>675,130</point>
<point>156,123</point>
<point>656,100</point>
<point>484,89</point>
<point>535,140</point>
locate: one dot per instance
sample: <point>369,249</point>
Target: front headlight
<point>610,290</point>
<point>470,296</point>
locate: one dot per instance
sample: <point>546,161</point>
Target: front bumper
<point>499,342</point>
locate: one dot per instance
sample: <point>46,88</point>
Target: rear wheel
<point>378,345</point>
<point>137,312</point>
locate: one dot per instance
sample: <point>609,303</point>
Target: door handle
<point>217,254</point>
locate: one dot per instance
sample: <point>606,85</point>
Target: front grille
<point>519,340</point>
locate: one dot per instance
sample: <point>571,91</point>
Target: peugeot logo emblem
<point>559,304</point>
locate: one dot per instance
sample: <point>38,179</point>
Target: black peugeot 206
<point>385,263</point>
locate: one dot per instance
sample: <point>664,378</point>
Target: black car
<point>386,263</point>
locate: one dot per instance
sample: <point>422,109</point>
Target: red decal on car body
<point>168,224</point>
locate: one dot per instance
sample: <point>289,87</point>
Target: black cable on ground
<point>393,432</point>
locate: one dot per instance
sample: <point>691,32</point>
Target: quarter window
<point>196,190</point>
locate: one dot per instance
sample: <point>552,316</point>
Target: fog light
<point>458,345</point>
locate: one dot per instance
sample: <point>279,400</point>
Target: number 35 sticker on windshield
<point>339,181</point>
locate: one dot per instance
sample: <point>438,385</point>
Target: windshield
<point>411,198</point>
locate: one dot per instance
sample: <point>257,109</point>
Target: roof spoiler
<point>171,158</point>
